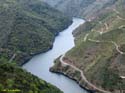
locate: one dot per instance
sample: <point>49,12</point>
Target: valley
<point>47,47</point>
<point>40,64</point>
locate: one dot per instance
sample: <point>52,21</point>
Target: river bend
<point>39,65</point>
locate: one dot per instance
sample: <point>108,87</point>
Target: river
<point>39,65</point>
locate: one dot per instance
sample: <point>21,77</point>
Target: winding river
<point>39,65</point>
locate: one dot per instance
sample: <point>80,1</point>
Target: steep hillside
<point>97,61</point>
<point>28,27</point>
<point>87,9</point>
<point>15,80</point>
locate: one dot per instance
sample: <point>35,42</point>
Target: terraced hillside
<point>97,61</point>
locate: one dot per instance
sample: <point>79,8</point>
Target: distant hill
<point>70,7</point>
<point>87,9</point>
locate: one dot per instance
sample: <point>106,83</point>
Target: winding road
<point>86,36</point>
<point>12,58</point>
<point>116,45</point>
<point>123,77</point>
<point>82,75</point>
<point>118,16</point>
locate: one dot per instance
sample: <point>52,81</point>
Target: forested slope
<point>13,79</point>
<point>27,27</point>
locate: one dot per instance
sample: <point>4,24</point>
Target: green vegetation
<point>28,27</point>
<point>13,77</point>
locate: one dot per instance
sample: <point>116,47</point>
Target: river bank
<point>39,65</point>
<point>71,73</point>
<point>74,79</point>
<point>28,57</point>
